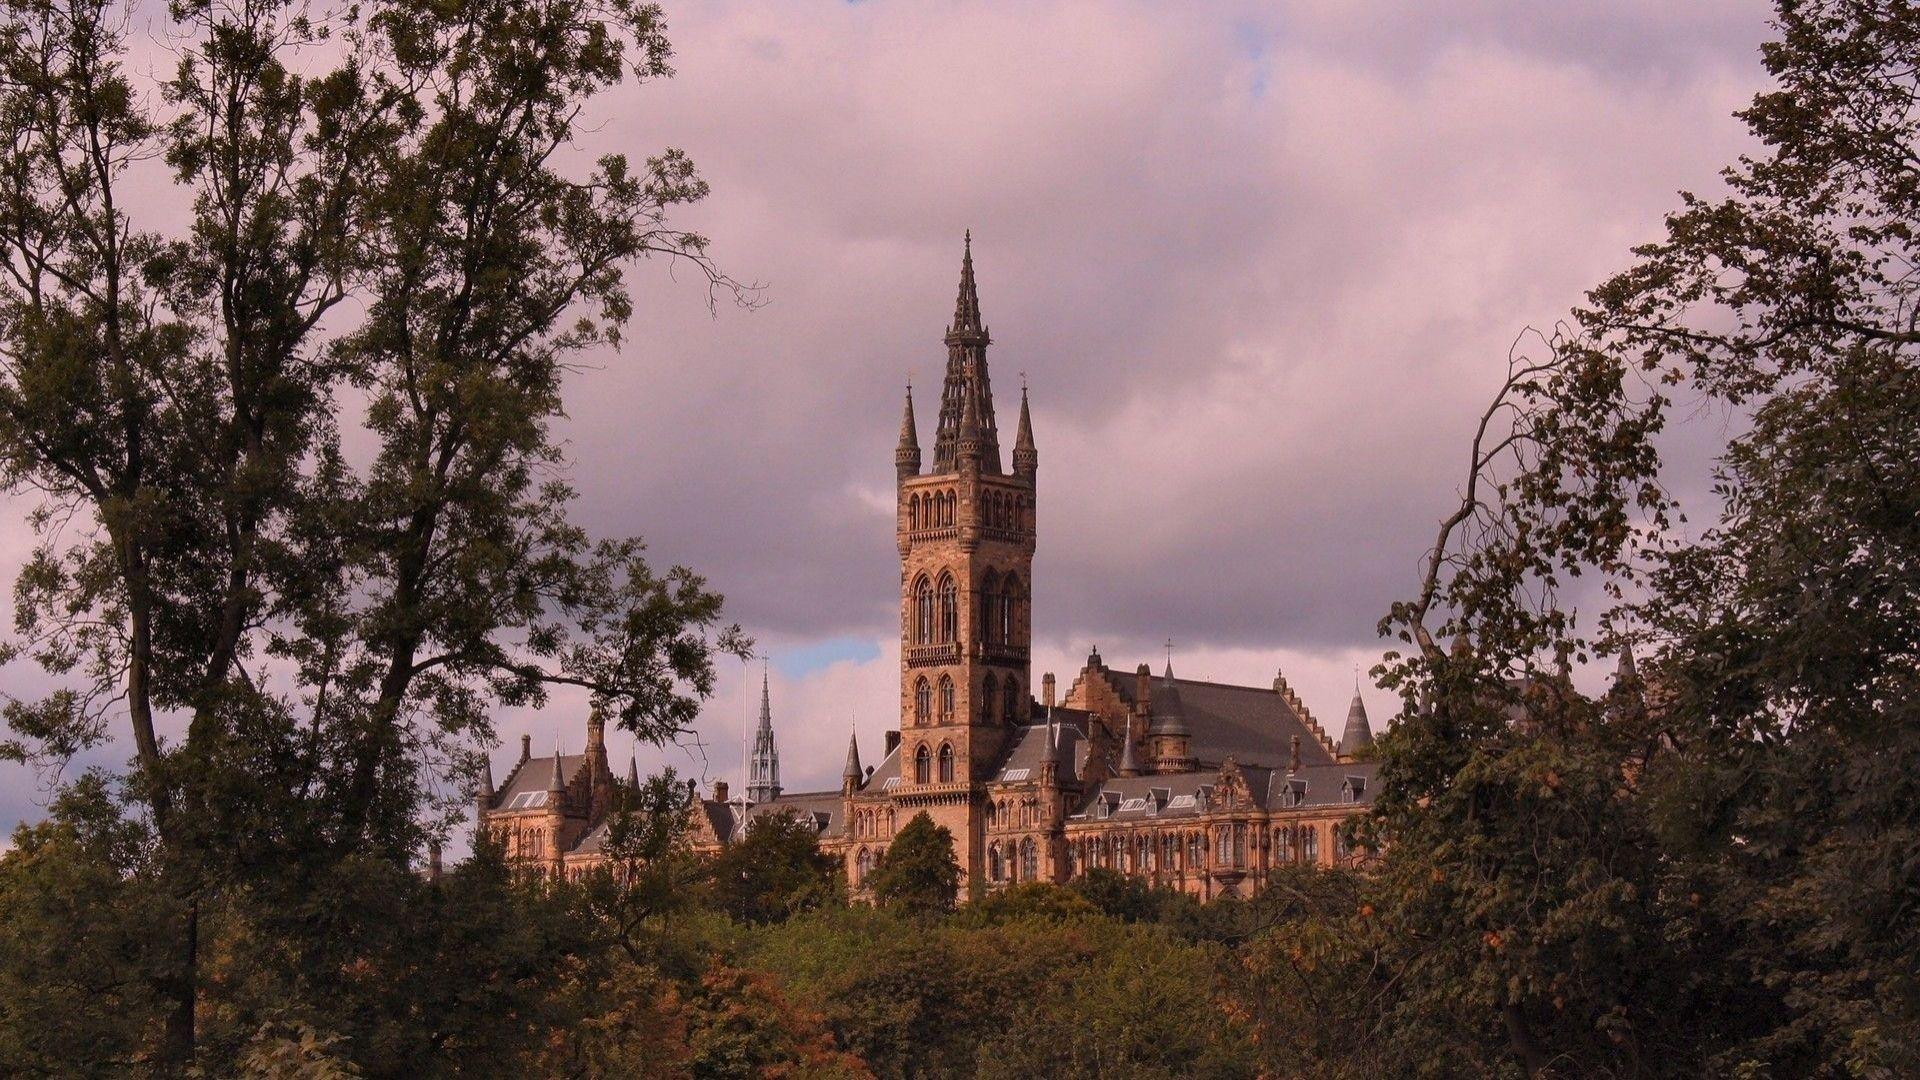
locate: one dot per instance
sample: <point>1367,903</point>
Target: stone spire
<point>850,776</point>
<point>1359,733</point>
<point>633,772</point>
<point>967,385</point>
<point>1628,672</point>
<point>1128,765</point>
<point>1026,459</point>
<point>559,781</point>
<point>906,456</point>
<point>763,773</point>
<point>485,787</point>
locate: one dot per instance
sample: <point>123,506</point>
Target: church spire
<point>851,774</point>
<point>967,385</point>
<point>1026,459</point>
<point>763,774</point>
<point>906,456</point>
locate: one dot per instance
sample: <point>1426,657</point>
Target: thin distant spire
<point>763,773</point>
<point>633,772</point>
<point>1026,459</point>
<point>486,777</point>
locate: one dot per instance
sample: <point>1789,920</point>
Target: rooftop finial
<point>1026,458</point>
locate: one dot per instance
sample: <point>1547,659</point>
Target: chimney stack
<point>720,791</point>
<point>893,740</point>
<point>1046,689</point>
<point>1293,763</point>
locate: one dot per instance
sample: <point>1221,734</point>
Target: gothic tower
<point>763,769</point>
<point>966,538</point>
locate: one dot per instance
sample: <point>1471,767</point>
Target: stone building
<point>1199,786</point>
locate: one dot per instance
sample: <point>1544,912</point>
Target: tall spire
<point>633,772</point>
<point>1026,459</point>
<point>763,773</point>
<point>559,781</point>
<point>967,385</point>
<point>906,456</point>
<point>486,778</point>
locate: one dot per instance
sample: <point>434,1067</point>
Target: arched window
<point>949,609</point>
<point>922,611</point>
<point>989,698</point>
<point>1010,708</point>
<point>1169,852</point>
<point>1283,845</point>
<point>913,512</point>
<point>946,764</point>
<point>993,814</point>
<point>946,697</point>
<point>861,866</point>
<point>921,764</point>
<point>922,701</point>
<point>1010,600</point>
<point>1309,844</point>
<point>1029,860</point>
<point>990,608</point>
<point>1196,852</point>
<point>1339,844</point>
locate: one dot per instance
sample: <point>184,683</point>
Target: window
<point>1339,843</point>
<point>1283,845</point>
<point>1169,852</point>
<point>1222,846</point>
<point>994,870</point>
<point>949,609</point>
<point>990,608</point>
<point>862,866</point>
<point>1196,852</point>
<point>1010,708</point>
<point>1309,844</point>
<point>989,698</point>
<point>946,764</point>
<point>922,701</point>
<point>922,611</point>
<point>913,512</point>
<point>1029,860</point>
<point>921,763</point>
<point>1009,599</point>
<point>946,698</point>
<point>993,814</point>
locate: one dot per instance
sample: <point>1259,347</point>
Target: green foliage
<point>918,873</point>
<point>775,871</point>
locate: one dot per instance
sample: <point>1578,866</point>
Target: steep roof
<point>526,786</point>
<point>1254,725</point>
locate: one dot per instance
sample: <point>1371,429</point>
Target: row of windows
<point>936,510</point>
<point>1171,852</point>
<point>998,701</point>
<point>871,822</point>
<point>936,609</point>
<point>1013,863</point>
<point>923,764</point>
<point>1008,814</point>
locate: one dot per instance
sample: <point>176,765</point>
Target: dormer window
<point>1354,788</point>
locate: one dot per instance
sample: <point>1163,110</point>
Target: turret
<point>1026,459</point>
<point>1359,733</point>
<point>906,456</point>
<point>483,790</point>
<point>1169,734</point>
<point>850,775</point>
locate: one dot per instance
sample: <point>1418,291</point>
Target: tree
<point>776,870</point>
<point>1742,824</point>
<point>917,873</point>
<point>392,249</point>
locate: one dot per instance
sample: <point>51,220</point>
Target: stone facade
<point>1199,786</point>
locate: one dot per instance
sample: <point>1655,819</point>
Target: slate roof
<point>1029,750</point>
<point>1185,795</point>
<point>531,777</point>
<point>823,808</point>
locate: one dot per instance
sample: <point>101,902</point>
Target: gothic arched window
<point>921,765</point>
<point>949,609</point>
<point>922,611</point>
<point>989,698</point>
<point>1010,707</point>
<point>946,698</point>
<point>1009,607</point>
<point>946,763</point>
<point>913,512</point>
<point>993,861</point>
<point>1196,852</point>
<point>861,866</point>
<point>1309,844</point>
<point>922,701</point>
<point>1029,860</point>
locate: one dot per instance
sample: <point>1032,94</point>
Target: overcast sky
<point>1260,263</point>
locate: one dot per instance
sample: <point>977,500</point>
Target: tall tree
<point>295,458</point>
<point>918,872</point>
<point>1771,761</point>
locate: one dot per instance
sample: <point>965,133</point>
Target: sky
<point>1260,264</point>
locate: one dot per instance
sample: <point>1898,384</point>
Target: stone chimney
<point>720,791</point>
<point>1046,690</point>
<point>893,740</point>
<point>1293,761</point>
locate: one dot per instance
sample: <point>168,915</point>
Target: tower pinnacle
<point>967,385</point>
<point>906,456</point>
<point>1026,459</point>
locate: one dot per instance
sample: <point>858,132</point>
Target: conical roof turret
<point>633,772</point>
<point>1026,459</point>
<point>852,769</point>
<point>1359,733</point>
<point>1128,765</point>
<point>906,456</point>
<point>559,781</point>
<point>485,787</point>
<point>1169,712</point>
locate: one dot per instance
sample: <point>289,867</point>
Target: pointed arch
<point>990,608</point>
<point>913,512</point>
<point>922,765</point>
<point>949,608</point>
<point>946,698</point>
<point>946,763</point>
<point>922,610</point>
<point>989,698</point>
<point>1010,706</point>
<point>922,701</point>
<point>1011,599</point>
